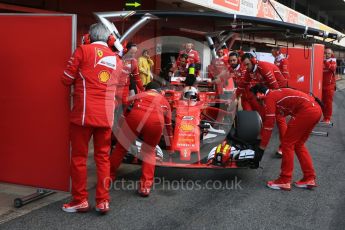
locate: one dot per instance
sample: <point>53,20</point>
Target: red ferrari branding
<point>99,53</point>
<point>104,59</point>
<point>265,10</point>
<point>292,17</point>
<point>231,4</point>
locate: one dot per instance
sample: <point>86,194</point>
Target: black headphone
<point>130,45</point>
<point>251,57</point>
<point>234,54</point>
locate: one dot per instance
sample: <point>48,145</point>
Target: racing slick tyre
<point>247,126</point>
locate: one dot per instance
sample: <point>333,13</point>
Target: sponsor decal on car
<point>187,118</point>
<point>187,127</point>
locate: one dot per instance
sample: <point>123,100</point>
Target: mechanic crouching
<point>148,115</point>
<point>306,113</point>
<point>92,70</point>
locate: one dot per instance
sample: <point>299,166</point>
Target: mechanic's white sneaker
<point>307,184</point>
<point>278,184</point>
<point>279,153</point>
<point>75,206</point>
<point>102,207</point>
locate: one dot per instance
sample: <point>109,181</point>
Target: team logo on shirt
<point>100,53</point>
<point>104,76</point>
<point>104,59</point>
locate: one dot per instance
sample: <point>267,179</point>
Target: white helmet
<point>190,93</point>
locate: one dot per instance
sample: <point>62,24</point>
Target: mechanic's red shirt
<point>329,68</point>
<point>226,55</point>
<point>285,102</point>
<point>268,74</point>
<point>93,69</point>
<point>130,66</point>
<point>153,105</point>
<point>217,66</point>
<point>193,56</point>
<point>181,68</point>
<point>283,64</point>
<point>239,76</point>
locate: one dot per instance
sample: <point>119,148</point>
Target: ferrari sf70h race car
<point>209,132</point>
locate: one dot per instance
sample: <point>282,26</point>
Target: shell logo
<point>104,76</point>
<point>100,53</point>
<point>187,127</point>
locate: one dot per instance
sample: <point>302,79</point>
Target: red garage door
<point>305,67</point>
<point>34,141</point>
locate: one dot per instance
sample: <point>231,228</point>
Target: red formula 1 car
<point>209,132</point>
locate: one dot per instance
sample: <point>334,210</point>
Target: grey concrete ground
<point>239,199</point>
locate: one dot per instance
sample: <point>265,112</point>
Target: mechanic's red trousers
<point>246,105</point>
<point>297,133</point>
<point>280,120</point>
<point>150,129</point>
<point>80,137</point>
<point>282,126</point>
<point>327,100</point>
<point>253,105</point>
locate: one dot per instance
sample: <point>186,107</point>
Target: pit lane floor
<point>220,199</point>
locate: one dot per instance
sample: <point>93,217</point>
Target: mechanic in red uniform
<point>226,52</point>
<point>181,67</point>
<point>218,70</point>
<point>93,71</point>
<point>150,113</point>
<point>238,72</point>
<point>268,74</point>
<point>193,55</point>
<point>218,64</point>
<point>130,72</point>
<point>281,61</point>
<point>328,84</point>
<point>305,113</point>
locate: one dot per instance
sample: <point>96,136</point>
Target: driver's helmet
<point>222,154</point>
<point>190,93</point>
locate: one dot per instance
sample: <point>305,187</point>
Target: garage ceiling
<point>335,9</point>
